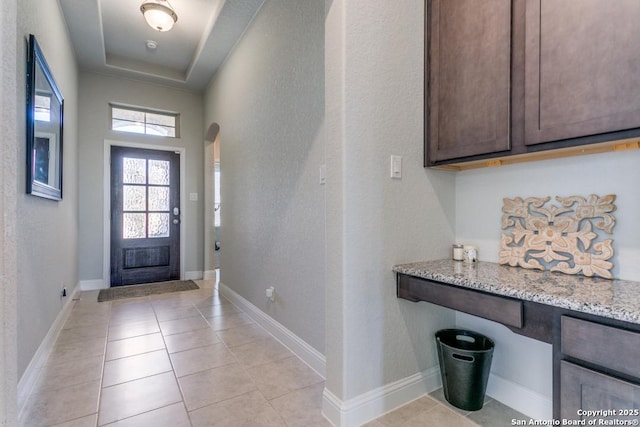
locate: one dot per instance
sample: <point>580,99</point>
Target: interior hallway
<point>192,359</point>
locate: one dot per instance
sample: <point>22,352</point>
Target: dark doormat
<point>132,291</point>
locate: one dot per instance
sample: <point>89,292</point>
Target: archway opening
<point>213,202</point>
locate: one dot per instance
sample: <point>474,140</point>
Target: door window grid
<point>146,204</point>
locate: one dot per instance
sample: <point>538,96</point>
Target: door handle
<point>176,211</point>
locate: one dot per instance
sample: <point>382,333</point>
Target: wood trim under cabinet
<point>603,147</point>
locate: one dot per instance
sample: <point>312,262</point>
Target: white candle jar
<point>458,253</point>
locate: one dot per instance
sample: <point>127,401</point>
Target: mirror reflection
<point>44,128</point>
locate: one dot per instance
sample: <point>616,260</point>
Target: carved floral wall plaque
<point>558,237</point>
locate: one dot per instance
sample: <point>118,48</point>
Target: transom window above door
<point>144,121</point>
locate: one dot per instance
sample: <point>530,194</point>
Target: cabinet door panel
<point>582,68</point>
<point>582,388</point>
<point>468,94</point>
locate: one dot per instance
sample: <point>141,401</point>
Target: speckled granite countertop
<point>615,299</point>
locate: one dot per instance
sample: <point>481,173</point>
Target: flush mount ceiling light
<point>159,14</point>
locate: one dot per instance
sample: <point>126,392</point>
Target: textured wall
<point>480,192</point>
<point>268,99</point>
<point>479,195</point>
<point>96,92</point>
<point>46,231</point>
<point>8,192</point>
<point>374,106</point>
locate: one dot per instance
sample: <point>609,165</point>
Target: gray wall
<point>96,92</point>
<point>46,231</point>
<point>8,192</point>
<point>374,106</point>
<point>479,195</point>
<point>268,99</point>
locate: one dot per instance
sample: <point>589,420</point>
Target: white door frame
<point>182,151</point>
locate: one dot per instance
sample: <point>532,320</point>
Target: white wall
<point>46,231</point>
<point>479,195</point>
<point>209,197</point>
<point>268,100</point>
<point>374,106</point>
<point>96,92</point>
<point>9,143</point>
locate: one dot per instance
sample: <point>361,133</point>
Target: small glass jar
<point>458,252</point>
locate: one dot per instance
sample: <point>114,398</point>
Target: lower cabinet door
<point>583,390</point>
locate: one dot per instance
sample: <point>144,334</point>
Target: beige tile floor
<point>193,359</point>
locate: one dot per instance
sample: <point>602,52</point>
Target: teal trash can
<point>465,361</point>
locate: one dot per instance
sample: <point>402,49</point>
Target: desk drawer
<point>499,309</point>
<point>602,345</point>
<point>587,390</point>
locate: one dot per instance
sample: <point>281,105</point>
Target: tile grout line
<point>238,362</point>
<point>200,310</point>
<point>104,362</point>
<point>165,349</point>
<point>146,300</point>
<point>173,369</point>
<point>268,401</point>
<point>234,357</point>
<point>149,300</point>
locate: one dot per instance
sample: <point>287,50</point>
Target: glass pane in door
<point>158,172</point>
<point>134,171</point>
<point>134,198</point>
<point>159,225</point>
<point>134,225</point>
<point>159,199</point>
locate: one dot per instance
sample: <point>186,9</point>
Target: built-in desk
<point>593,324</point>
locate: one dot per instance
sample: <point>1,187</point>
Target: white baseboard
<point>209,274</point>
<point>534,405</point>
<point>371,405</point>
<point>92,285</point>
<point>304,351</point>
<point>30,375</point>
<point>193,275</point>
<point>375,403</point>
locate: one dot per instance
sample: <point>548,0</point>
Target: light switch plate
<point>396,167</point>
<point>323,175</point>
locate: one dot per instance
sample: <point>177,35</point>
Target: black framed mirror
<point>45,107</point>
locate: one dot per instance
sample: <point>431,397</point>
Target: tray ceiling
<point>110,36</point>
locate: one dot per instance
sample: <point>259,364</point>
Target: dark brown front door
<point>145,216</point>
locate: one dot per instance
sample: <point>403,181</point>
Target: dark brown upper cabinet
<point>582,66</point>
<point>515,80</point>
<point>469,77</point>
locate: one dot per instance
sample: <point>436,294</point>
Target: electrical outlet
<point>271,293</point>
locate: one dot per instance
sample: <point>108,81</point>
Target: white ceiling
<point>109,36</point>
